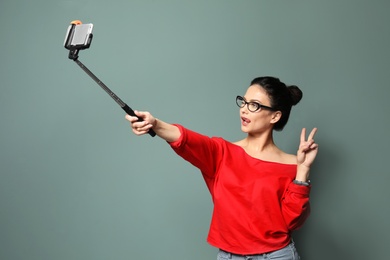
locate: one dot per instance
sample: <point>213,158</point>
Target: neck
<point>259,143</point>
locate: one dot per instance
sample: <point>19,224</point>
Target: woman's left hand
<point>307,149</point>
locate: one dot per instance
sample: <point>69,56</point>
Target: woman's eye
<point>253,105</point>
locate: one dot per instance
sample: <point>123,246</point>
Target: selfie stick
<point>73,54</point>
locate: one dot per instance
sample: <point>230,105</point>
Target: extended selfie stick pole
<point>73,54</point>
<point>122,104</point>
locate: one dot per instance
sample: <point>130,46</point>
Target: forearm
<point>296,205</point>
<point>303,173</point>
<point>166,131</point>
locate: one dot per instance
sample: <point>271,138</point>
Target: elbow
<point>296,221</point>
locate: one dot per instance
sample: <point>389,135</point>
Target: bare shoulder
<point>288,158</point>
<point>239,143</point>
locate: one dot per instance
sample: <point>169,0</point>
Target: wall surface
<point>75,183</point>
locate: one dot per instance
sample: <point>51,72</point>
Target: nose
<point>244,109</point>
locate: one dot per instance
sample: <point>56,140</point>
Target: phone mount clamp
<point>79,37</point>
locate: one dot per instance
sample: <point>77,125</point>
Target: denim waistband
<point>290,248</point>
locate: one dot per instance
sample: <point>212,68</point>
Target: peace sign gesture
<point>307,149</point>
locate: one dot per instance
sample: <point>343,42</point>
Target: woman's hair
<point>282,97</point>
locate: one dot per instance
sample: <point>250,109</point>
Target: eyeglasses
<point>252,105</point>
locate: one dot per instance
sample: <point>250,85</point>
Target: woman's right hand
<point>168,132</point>
<point>141,127</point>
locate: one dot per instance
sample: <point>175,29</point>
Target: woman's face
<point>261,120</point>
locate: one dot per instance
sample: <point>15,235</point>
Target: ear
<point>276,117</point>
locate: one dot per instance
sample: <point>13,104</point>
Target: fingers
<point>303,135</point>
<point>313,146</point>
<point>131,119</point>
<point>308,144</point>
<point>138,126</point>
<point>311,135</point>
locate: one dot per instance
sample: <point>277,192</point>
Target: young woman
<point>260,193</point>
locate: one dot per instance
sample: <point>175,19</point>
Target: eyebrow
<point>253,100</point>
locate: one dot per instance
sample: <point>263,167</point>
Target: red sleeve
<point>296,205</point>
<point>201,151</point>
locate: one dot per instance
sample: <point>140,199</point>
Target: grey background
<point>75,183</point>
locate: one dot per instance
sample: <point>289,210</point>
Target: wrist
<point>304,178</point>
<point>302,183</point>
<point>303,168</point>
<point>154,124</point>
<point>303,173</point>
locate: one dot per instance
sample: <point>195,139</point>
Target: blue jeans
<point>287,253</point>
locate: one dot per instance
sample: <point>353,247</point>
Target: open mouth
<point>245,121</point>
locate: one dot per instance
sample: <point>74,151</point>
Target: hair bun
<point>295,94</point>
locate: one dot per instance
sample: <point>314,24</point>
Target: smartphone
<point>78,36</point>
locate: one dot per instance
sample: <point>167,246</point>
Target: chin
<point>245,129</point>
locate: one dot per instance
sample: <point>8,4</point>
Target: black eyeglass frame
<point>241,102</point>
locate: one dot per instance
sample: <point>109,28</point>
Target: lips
<point>245,121</point>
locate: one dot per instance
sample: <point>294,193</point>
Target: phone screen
<point>78,36</point>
